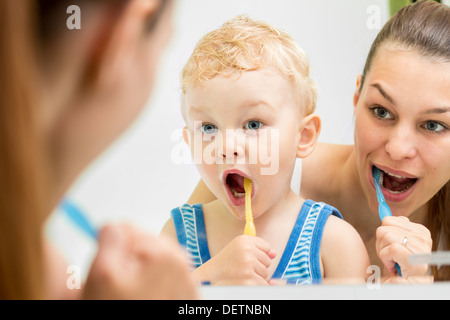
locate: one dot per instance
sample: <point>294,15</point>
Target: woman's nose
<point>401,143</point>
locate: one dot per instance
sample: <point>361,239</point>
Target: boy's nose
<point>233,145</point>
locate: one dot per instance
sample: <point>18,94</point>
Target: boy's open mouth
<point>394,183</point>
<point>235,183</point>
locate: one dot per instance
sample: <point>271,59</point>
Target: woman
<point>65,96</point>
<point>402,126</point>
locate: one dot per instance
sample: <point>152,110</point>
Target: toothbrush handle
<point>384,210</point>
<point>250,229</point>
<point>399,271</point>
<point>79,218</point>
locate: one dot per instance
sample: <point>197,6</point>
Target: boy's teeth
<point>238,194</point>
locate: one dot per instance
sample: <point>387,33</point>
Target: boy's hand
<point>244,261</point>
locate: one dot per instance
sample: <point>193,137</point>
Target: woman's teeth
<point>394,175</point>
<point>394,183</point>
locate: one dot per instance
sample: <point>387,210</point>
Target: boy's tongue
<point>236,182</point>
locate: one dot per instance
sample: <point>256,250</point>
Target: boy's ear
<point>357,92</point>
<point>309,133</point>
<point>186,136</point>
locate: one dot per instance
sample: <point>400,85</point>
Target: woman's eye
<point>209,128</point>
<point>434,126</point>
<point>253,125</point>
<point>382,113</point>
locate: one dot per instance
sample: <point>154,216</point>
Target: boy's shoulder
<point>340,235</point>
<point>175,214</point>
<point>169,229</point>
<point>343,253</point>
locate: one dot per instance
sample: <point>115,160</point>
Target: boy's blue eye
<point>253,125</point>
<point>209,128</point>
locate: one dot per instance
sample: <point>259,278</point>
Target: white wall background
<point>136,179</point>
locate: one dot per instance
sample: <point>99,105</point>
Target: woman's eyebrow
<point>383,93</point>
<point>439,110</point>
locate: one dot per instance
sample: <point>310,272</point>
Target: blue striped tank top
<point>300,262</point>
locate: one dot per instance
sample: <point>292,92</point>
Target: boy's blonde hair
<point>243,44</point>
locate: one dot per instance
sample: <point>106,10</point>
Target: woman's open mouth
<point>234,184</point>
<point>395,185</point>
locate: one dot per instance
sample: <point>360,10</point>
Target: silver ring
<point>405,241</point>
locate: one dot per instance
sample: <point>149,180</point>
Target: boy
<point>248,103</point>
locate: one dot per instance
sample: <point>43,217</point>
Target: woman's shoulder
<point>328,151</point>
<point>320,169</point>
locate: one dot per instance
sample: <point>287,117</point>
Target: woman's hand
<point>131,264</point>
<point>397,239</point>
<point>244,261</point>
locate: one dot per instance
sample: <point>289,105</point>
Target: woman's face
<point>402,126</point>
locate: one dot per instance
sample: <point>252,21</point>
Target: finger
<point>149,247</point>
<point>386,235</point>
<point>263,258</point>
<point>395,280</point>
<point>409,280</point>
<point>420,279</point>
<point>265,247</point>
<point>398,251</point>
<point>389,235</point>
<point>394,253</point>
<point>261,270</point>
<point>102,280</point>
<point>404,224</point>
<point>414,242</point>
<point>395,221</point>
<point>261,244</point>
<point>111,245</point>
<point>272,254</point>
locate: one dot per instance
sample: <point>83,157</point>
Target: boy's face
<point>246,125</point>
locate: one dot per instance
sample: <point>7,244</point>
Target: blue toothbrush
<point>383,208</point>
<point>75,214</point>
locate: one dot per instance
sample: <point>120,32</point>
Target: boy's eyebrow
<point>196,108</point>
<point>245,104</point>
<point>258,103</point>
<point>383,93</point>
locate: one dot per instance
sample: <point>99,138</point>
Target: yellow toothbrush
<point>249,225</point>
